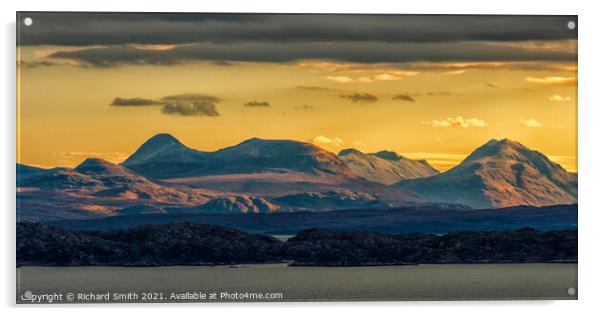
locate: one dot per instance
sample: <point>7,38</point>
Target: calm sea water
<point>283,283</point>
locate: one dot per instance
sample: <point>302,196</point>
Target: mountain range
<point>267,176</point>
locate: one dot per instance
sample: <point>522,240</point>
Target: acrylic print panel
<point>295,157</point>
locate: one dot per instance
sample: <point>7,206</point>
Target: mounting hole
<point>28,21</point>
<point>572,291</point>
<point>571,25</point>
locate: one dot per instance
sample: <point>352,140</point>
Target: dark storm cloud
<point>81,29</point>
<point>192,97</point>
<point>227,38</point>
<point>190,105</point>
<point>181,104</point>
<point>257,104</point>
<point>360,97</point>
<point>404,97</point>
<point>190,109</point>
<point>359,52</point>
<point>133,102</point>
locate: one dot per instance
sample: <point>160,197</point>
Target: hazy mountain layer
<point>435,219</point>
<point>267,176</point>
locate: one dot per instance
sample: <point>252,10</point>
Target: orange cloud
<point>157,47</point>
<point>562,81</point>
<point>530,122</point>
<point>324,140</point>
<point>390,76</point>
<point>457,121</point>
<point>417,68</point>
<point>558,98</point>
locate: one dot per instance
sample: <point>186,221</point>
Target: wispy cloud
<point>440,93</point>
<point>324,140</point>
<point>360,97</point>
<point>314,88</point>
<point>35,63</point>
<point>530,122</point>
<point>156,47</point>
<point>558,98</point>
<point>457,121</point>
<point>567,46</point>
<point>388,76</point>
<point>407,69</point>
<point>304,107</point>
<point>257,104</point>
<point>340,79</point>
<point>404,97</point>
<point>134,102</point>
<point>561,81</point>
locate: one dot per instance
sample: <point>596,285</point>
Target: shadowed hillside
<point>386,166</point>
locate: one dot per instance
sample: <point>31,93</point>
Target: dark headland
<point>184,243</point>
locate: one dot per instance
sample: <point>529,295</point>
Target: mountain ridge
<point>164,156</point>
<point>385,166</point>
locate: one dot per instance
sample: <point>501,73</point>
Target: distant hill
<point>237,205</point>
<point>385,166</point>
<point>164,155</point>
<point>500,173</point>
<point>320,247</point>
<point>95,188</point>
<point>150,245</point>
<point>24,171</point>
<point>328,201</point>
<point>97,177</point>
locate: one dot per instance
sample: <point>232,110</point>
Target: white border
<point>590,155</point>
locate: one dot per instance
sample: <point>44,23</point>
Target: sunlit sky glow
<point>435,97</point>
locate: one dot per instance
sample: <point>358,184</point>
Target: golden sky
<point>434,110</point>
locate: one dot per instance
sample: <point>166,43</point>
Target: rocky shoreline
<point>184,243</point>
